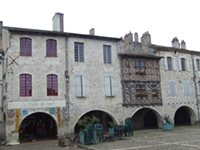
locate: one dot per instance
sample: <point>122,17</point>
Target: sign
<point>52,111</point>
<point>17,120</point>
<point>24,112</point>
<point>58,116</point>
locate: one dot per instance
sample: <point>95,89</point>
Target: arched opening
<point>182,116</point>
<point>31,130</point>
<point>102,116</point>
<point>145,118</point>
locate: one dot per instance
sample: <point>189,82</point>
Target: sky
<point>163,19</point>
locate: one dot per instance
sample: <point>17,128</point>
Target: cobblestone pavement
<point>182,138</point>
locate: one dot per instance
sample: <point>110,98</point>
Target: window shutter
<point>112,86</point>
<point>78,85</point>
<point>165,63</point>
<point>174,63</point>
<point>195,64</point>
<point>172,88</point>
<point>107,86</point>
<point>83,86</point>
<point>188,64</point>
<point>186,88</point>
<point>180,66</point>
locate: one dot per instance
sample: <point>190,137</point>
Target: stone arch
<point>30,126</point>
<point>103,115</point>
<point>185,115</point>
<point>140,118</point>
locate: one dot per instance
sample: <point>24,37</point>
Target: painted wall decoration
<point>58,116</point>
<point>52,111</point>
<point>17,120</point>
<point>24,112</point>
<point>11,113</point>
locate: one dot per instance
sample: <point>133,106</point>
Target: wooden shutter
<point>165,63</point>
<point>188,64</point>
<point>186,88</point>
<point>174,63</point>
<point>83,86</point>
<point>107,86</point>
<point>112,86</point>
<point>172,88</point>
<point>179,64</point>
<point>78,85</point>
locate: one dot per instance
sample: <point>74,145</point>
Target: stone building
<point>55,78</point>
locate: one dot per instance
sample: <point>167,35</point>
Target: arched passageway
<point>182,116</point>
<point>30,128</point>
<point>101,115</point>
<point>145,118</point>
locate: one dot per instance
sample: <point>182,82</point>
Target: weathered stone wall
<point>172,103</point>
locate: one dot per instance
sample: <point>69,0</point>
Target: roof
<point>141,55</point>
<point>57,33</point>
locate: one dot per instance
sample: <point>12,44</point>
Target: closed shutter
<point>165,63</point>
<point>174,63</point>
<point>107,86</point>
<point>172,88</point>
<point>83,86</point>
<point>78,85</point>
<point>188,65</point>
<point>186,88</point>
<point>179,64</point>
<point>112,86</point>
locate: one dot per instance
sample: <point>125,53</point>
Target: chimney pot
<point>58,24</point>
<point>146,39</point>
<point>92,31</point>
<point>175,43</point>
<point>183,44</point>
<point>136,37</point>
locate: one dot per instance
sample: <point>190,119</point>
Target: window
<point>109,86</point>
<point>25,47</point>
<point>172,88</point>
<point>25,85</point>
<point>107,54</point>
<point>199,86</point>
<point>51,48</point>
<point>186,88</point>
<point>79,52</point>
<point>197,64</point>
<point>169,63</point>
<point>140,88</point>
<point>183,64</point>
<point>154,88</point>
<point>80,85</point>
<point>52,85</point>
<point>139,65</point>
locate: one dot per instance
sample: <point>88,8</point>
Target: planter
<point>167,126</point>
<point>143,94</point>
<point>141,72</point>
<point>155,94</point>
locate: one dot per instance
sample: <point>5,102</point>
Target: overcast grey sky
<point>164,19</point>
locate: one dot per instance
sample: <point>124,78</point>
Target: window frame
<point>24,46</point>
<point>109,86</point>
<point>183,64</point>
<point>25,87</point>
<point>139,65</point>
<point>169,63</point>
<point>78,52</point>
<point>154,89</point>
<point>53,49</point>
<point>198,64</point>
<point>140,88</point>
<point>107,54</point>
<point>53,84</point>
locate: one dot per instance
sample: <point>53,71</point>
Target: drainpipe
<point>195,85</point>
<point>67,84</point>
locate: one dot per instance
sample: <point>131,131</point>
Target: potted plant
<point>142,94</point>
<point>167,124</point>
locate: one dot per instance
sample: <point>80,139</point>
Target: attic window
<point>175,52</point>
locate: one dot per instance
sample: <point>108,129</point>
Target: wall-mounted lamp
<point>66,76</point>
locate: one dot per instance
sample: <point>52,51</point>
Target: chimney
<point>146,39</point>
<point>128,38</point>
<point>183,44</point>
<point>136,37</point>
<point>58,24</point>
<point>92,31</point>
<point>175,43</point>
<point>1,25</point>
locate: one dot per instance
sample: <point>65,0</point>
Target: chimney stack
<point>58,24</point>
<point>92,31</point>
<point>175,43</point>
<point>183,44</point>
<point>146,39</point>
<point>136,37</point>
